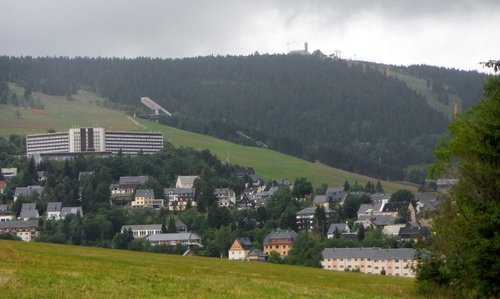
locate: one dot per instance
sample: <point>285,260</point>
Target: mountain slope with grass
<point>87,109</point>
<point>347,114</point>
<point>43,270</point>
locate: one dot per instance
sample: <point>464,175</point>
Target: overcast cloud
<point>451,33</point>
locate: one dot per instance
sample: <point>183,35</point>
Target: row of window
<point>369,259</point>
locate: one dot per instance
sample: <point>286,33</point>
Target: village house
<point>321,201</point>
<point>180,199</point>
<point>6,214</point>
<point>256,255</point>
<point>305,218</point>
<point>185,181</point>
<point>144,230</point>
<point>186,238</point>
<point>239,249</point>
<point>426,202</point>
<point>66,211</point>
<point>123,191</point>
<point>392,230</point>
<point>53,211</point>
<point>225,197</point>
<point>335,194</point>
<point>28,211</point>
<point>8,173</point>
<point>27,191</point>
<point>413,233</point>
<point>337,228</point>
<point>394,262</point>
<point>26,230</point>
<point>145,198</point>
<point>383,213</point>
<point>279,240</point>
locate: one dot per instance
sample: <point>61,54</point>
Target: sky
<point>451,33</point>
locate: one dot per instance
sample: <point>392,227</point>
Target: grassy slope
<point>84,111</point>
<point>29,270</point>
<point>420,86</point>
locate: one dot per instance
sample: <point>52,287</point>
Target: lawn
<point>29,270</point>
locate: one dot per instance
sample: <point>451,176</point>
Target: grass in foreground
<point>42,270</point>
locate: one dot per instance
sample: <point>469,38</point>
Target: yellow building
<point>394,262</point>
<point>279,240</point>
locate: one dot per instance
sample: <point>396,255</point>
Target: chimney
<point>305,47</point>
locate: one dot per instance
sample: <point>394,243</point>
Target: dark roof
<point>133,180</point>
<point>312,210</point>
<point>145,193</point>
<point>256,252</point>
<point>186,191</point>
<point>372,253</point>
<point>141,227</point>
<point>378,220</point>
<point>54,206</point>
<point>413,231</point>
<point>223,191</point>
<point>174,237</point>
<point>341,228</point>
<point>280,234</point>
<point>320,199</point>
<point>28,206</point>
<point>71,210</point>
<point>243,171</point>
<point>394,206</point>
<point>245,243</point>
<point>19,224</point>
<point>334,190</point>
<point>179,225</point>
<point>28,190</point>
<point>378,197</point>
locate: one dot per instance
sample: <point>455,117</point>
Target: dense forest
<point>346,114</point>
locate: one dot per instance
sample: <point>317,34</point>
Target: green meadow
<point>41,270</point>
<point>86,109</point>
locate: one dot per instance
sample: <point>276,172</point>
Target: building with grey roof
<point>142,230</point>
<point>305,217</point>
<point>27,191</point>
<point>336,194</point>
<point>321,200</point>
<point>126,181</point>
<point>373,221</point>
<point>26,230</point>
<point>339,227</point>
<point>279,240</point>
<point>28,211</point>
<point>395,262</point>
<point>225,197</point>
<point>54,210</point>
<point>186,238</point>
<point>180,199</point>
<point>66,211</point>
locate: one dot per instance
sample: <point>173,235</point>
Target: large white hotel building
<point>92,141</point>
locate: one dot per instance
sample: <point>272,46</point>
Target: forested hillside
<point>346,114</point>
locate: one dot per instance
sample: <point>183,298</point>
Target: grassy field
<point>84,110</point>
<point>29,270</point>
<point>61,114</point>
